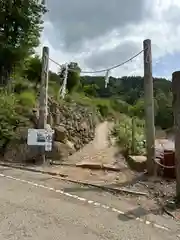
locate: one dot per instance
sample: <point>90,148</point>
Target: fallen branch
<point>106,188</point>
<point>168,213</point>
<point>91,166</point>
<point>98,166</point>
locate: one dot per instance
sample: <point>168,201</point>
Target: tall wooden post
<point>133,136</point>
<point>176,108</point>
<point>43,100</point>
<point>149,107</point>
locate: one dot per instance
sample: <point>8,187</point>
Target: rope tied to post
<point>107,70</point>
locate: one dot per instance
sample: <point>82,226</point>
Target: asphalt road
<point>35,206</point>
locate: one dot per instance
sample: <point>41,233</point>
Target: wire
<point>55,62</point>
<point>116,66</point>
<point>160,164</point>
<point>164,166</point>
<point>102,70</point>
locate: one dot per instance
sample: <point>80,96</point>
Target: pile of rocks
<point>74,127</point>
<point>75,121</point>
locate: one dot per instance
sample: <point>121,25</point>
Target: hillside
<point>123,86</point>
<point>86,100</point>
<point>130,90</point>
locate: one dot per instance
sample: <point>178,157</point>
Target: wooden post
<point>57,117</point>
<point>133,136</point>
<point>176,108</point>
<point>50,119</point>
<point>149,107</point>
<point>43,98</point>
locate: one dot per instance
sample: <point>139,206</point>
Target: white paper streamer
<point>63,88</point>
<point>107,78</point>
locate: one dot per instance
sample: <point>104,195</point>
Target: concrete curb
<point>30,169</point>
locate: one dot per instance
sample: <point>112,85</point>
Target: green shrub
<point>21,85</point>
<point>53,90</point>
<point>120,106</point>
<point>123,133</point>
<point>9,118</point>
<point>27,99</point>
<point>103,109</point>
<point>103,106</point>
<point>68,98</point>
<point>91,90</point>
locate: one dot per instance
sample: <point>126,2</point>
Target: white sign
<point>40,137</point>
<point>48,147</point>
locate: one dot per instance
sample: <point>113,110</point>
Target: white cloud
<point>101,42</point>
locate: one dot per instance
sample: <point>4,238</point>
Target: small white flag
<point>63,88</point>
<point>107,78</point>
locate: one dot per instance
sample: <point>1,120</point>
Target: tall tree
<point>91,90</point>
<point>20,29</point>
<point>73,79</point>
<point>33,69</point>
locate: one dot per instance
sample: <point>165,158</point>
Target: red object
<point>169,161</point>
<point>168,157</point>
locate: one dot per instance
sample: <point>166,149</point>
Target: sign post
<point>43,100</point>
<point>40,137</point>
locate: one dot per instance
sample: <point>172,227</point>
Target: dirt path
<point>95,150</point>
<point>101,136</point>
<point>99,151</point>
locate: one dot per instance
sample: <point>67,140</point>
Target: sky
<point>101,33</point>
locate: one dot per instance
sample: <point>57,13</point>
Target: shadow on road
<point>83,189</point>
<point>137,213</point>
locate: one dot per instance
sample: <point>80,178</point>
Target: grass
<point>9,117</point>
<point>103,105</point>
<point>106,107</point>
<point>123,133</point>
<point>27,99</point>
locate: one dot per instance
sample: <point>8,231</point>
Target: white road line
<point>91,202</point>
<point>161,227</point>
<point>105,206</point>
<point>81,199</point>
<point>97,204</point>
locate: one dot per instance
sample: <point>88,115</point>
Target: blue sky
<point>167,65</point>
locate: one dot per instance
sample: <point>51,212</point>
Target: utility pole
<point>176,109</point>
<point>43,100</point>
<point>149,107</point>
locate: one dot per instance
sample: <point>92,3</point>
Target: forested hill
<point>131,90</point>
